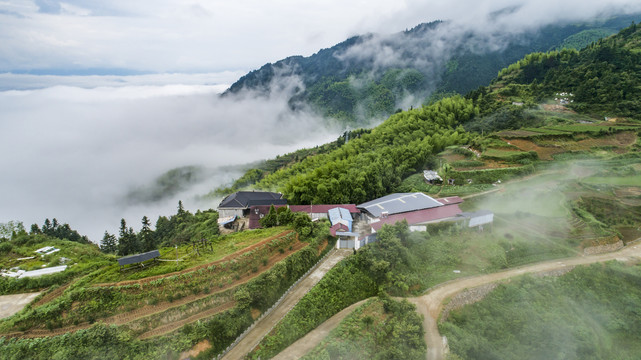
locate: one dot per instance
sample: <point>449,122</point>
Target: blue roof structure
<point>337,214</point>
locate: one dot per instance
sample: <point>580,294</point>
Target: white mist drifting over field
<point>73,153</point>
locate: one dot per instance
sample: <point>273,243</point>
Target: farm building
<point>432,177</point>
<point>417,209</point>
<point>257,212</point>
<point>477,218</point>
<point>340,215</point>
<point>321,211</point>
<point>238,203</point>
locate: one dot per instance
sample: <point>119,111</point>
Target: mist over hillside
<point>91,156</point>
<point>366,78</point>
<point>90,149</point>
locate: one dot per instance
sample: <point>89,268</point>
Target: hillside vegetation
<point>349,84</point>
<point>576,316</point>
<point>577,189</point>
<point>161,310</point>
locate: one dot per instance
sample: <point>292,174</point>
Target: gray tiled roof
<point>399,203</point>
<point>245,199</point>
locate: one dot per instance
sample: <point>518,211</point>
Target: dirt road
<point>313,338</point>
<point>11,304</point>
<point>268,322</point>
<point>430,305</point>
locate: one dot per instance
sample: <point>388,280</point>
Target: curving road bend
<point>430,305</point>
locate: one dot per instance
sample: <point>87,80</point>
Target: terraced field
<point>161,304</point>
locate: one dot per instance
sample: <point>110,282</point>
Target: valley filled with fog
<point>78,153</point>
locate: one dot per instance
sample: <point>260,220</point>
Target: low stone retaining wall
<point>600,249</point>
<point>467,297</point>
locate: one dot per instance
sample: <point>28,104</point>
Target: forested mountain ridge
<point>376,163</point>
<point>351,83</point>
<point>602,79</point>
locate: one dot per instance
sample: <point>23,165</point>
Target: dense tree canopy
<point>374,164</point>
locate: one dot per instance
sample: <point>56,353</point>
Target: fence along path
<point>248,340</point>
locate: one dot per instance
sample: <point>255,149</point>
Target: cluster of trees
<point>360,97</point>
<point>266,167</point>
<point>603,77</point>
<point>50,228</point>
<point>54,229</point>
<point>284,216</point>
<point>179,228</point>
<point>374,164</point>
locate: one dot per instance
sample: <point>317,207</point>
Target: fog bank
<point>75,153</point>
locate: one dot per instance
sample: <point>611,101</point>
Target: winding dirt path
<point>430,305</point>
<point>305,344</point>
<point>264,326</point>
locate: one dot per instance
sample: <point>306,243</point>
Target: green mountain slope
<point>352,83</point>
<point>603,79</point>
<point>377,162</point>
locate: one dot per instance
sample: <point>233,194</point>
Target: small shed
<point>432,177</point>
<point>340,215</point>
<point>478,218</point>
<point>138,258</point>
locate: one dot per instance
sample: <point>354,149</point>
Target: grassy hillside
<point>208,298</point>
<point>589,313</point>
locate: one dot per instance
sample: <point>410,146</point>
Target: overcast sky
<point>99,97</point>
<point>212,36</point>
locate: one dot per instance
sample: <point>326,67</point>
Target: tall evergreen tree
<point>109,243</point>
<point>127,241</point>
<point>146,235</point>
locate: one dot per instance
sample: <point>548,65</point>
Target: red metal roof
<point>420,216</point>
<point>254,217</point>
<point>338,227</point>
<point>323,208</point>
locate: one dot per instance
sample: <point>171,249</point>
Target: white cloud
<point>75,152</point>
<point>213,81</point>
<point>166,36</point>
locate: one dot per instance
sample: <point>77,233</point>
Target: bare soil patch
<point>557,108</point>
<point>200,347</point>
<point>544,152</point>
<point>11,304</point>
